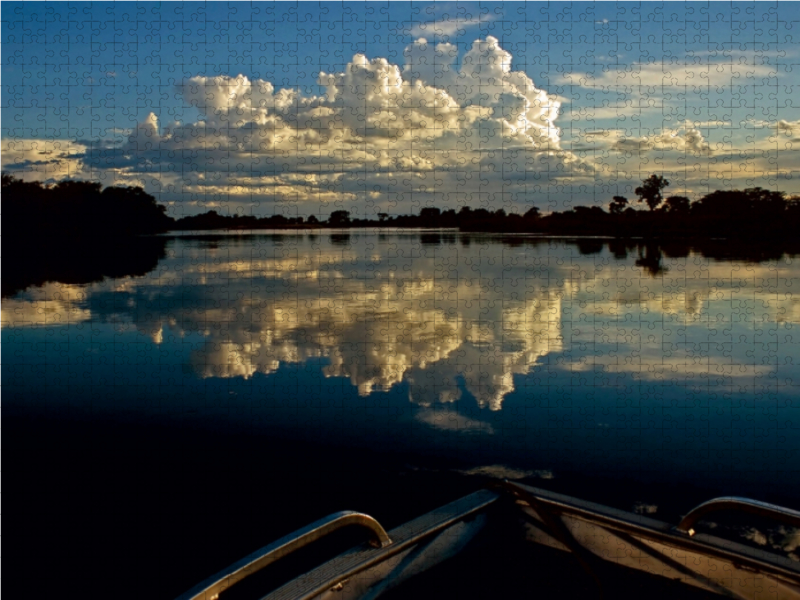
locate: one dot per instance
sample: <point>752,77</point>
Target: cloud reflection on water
<point>445,319</point>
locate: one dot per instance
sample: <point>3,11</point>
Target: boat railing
<point>763,509</point>
<point>557,520</point>
<point>213,586</point>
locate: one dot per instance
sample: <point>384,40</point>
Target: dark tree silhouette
<point>752,203</point>
<point>430,213</point>
<point>793,208</point>
<point>339,218</point>
<point>79,208</point>
<point>677,205</point>
<point>532,214</point>
<point>650,190</point>
<point>618,205</point>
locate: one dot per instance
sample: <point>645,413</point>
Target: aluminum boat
<point>517,539</point>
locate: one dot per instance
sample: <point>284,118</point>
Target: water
<point>270,378</point>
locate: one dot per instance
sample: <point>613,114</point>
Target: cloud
<point>787,127</point>
<point>448,420</point>
<point>685,139</point>
<point>48,161</point>
<point>636,78</point>
<point>431,128</point>
<point>708,124</point>
<point>449,125</point>
<point>448,27</point>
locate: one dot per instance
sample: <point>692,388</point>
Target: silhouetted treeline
<point>79,208</point>
<point>213,220</point>
<point>466,218</point>
<point>73,209</point>
<point>752,212</point>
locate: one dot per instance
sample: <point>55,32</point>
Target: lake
<point>234,387</point>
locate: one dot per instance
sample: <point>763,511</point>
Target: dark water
<point>173,421</point>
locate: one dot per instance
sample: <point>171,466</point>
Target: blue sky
<point>309,107</point>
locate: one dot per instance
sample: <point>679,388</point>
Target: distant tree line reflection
<point>82,262</point>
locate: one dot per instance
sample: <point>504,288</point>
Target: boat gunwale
<point>362,557</point>
<point>734,552</point>
<point>404,537</point>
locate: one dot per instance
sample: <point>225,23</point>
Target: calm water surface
<point>437,353</point>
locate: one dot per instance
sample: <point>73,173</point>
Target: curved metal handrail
<point>211,587</point>
<point>747,505</point>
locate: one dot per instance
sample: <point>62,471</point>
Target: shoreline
<point>666,236</point>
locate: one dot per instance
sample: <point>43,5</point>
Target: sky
<point>305,108</point>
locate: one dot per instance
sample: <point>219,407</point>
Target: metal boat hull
<point>599,539</point>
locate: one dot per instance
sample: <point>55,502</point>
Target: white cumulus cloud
<point>685,139</point>
<point>448,26</point>
<point>378,133</point>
